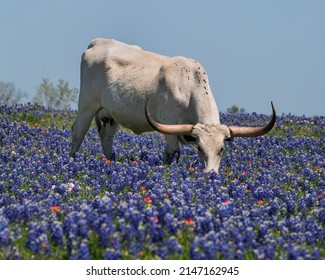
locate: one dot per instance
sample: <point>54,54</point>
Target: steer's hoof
<point>112,156</point>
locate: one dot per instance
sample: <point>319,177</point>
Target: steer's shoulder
<point>109,44</point>
<point>103,49</point>
<point>181,64</point>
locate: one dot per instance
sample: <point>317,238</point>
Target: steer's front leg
<point>172,150</point>
<point>79,129</point>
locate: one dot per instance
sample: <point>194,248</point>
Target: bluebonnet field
<point>267,203</point>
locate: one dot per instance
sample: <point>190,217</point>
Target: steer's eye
<point>220,152</point>
<point>199,148</point>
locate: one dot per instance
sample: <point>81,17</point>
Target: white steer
<point>121,83</point>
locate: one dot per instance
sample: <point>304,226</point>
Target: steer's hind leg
<point>172,150</point>
<point>107,131</point>
<point>80,128</point>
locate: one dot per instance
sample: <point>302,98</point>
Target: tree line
<point>59,96</point>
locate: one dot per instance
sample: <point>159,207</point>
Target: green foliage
<point>9,94</point>
<point>235,109</point>
<point>44,119</point>
<point>60,96</point>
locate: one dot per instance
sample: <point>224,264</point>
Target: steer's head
<point>209,137</point>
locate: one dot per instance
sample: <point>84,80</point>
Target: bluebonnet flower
<point>104,235</point>
<point>34,232</point>
<point>210,249</point>
<point>321,216</point>
<point>4,237</point>
<point>83,228</point>
<point>84,251</point>
<point>267,202</point>
<point>195,252</point>
<point>173,246</point>
<point>43,244</point>
<point>226,208</point>
<point>56,231</point>
<point>37,240</point>
<point>111,254</point>
<point>14,254</point>
<point>72,242</point>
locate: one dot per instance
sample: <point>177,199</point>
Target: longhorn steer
<point>121,83</point>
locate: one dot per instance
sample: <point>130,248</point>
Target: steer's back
<point>120,77</point>
<point>120,64</point>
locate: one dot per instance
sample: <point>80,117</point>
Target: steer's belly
<point>134,122</point>
<point>130,117</point>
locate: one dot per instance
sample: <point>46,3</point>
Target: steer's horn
<point>173,129</point>
<point>237,131</point>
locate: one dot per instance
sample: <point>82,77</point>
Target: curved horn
<point>172,129</point>
<point>237,131</point>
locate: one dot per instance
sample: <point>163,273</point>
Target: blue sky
<point>254,51</point>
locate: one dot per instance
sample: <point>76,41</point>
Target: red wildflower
<point>245,171</point>
<point>147,199</point>
<point>135,163</point>
<point>260,202</point>
<point>189,221</point>
<point>55,209</point>
<point>107,161</point>
<point>154,219</point>
<point>225,202</point>
<point>44,244</point>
